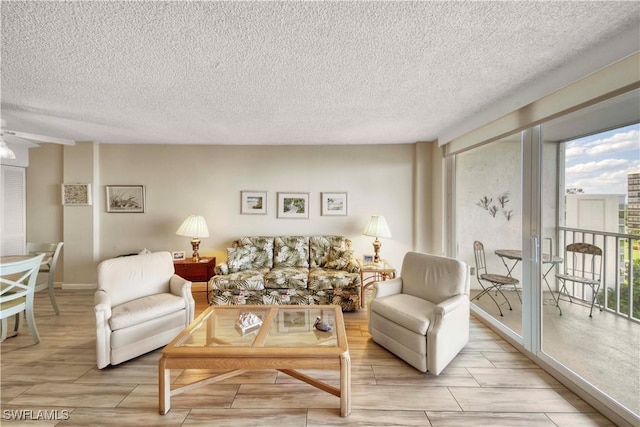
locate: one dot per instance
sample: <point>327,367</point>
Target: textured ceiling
<point>281,72</point>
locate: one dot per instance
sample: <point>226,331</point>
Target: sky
<point>599,164</point>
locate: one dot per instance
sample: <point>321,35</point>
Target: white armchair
<point>422,316</point>
<point>140,305</point>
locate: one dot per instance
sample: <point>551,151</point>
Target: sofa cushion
<point>263,254</point>
<point>287,278</point>
<point>241,258</point>
<point>291,251</point>
<point>410,312</point>
<point>347,298</point>
<point>319,247</point>
<point>339,258</point>
<point>252,279</point>
<point>264,297</point>
<point>323,278</point>
<point>144,309</point>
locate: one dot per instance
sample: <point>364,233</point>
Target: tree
<point>575,190</point>
<point>624,292</point>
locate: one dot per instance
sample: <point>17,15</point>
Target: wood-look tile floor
<point>488,384</point>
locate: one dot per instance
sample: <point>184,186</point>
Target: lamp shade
<point>377,227</point>
<point>193,226</point>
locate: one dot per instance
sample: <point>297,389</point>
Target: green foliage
<point>624,293</point>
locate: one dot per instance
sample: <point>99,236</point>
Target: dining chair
<point>583,265</point>
<point>490,281</point>
<point>17,285</point>
<point>48,267</point>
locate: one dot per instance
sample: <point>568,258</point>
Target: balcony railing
<point>619,290</point>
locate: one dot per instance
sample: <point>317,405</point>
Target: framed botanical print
<point>76,194</point>
<point>253,202</point>
<point>293,205</point>
<point>334,204</point>
<point>125,198</point>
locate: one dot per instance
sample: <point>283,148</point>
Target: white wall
<point>80,222</point>
<point>488,171</point>
<point>492,170</point>
<point>207,180</point>
<point>44,208</point>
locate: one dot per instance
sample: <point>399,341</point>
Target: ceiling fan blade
<point>14,140</point>
<point>39,138</point>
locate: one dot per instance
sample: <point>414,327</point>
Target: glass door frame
<point>530,343</point>
<point>531,235</point>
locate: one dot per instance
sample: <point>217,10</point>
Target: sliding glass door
<point>599,151</point>
<point>488,201</point>
<point>526,197</point>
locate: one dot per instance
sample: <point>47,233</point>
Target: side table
<point>371,272</point>
<point>195,271</point>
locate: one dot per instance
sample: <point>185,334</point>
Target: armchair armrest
<point>102,311</point>
<point>222,268</point>
<point>182,288</point>
<point>449,305</point>
<point>179,286</point>
<point>102,304</point>
<point>448,332</point>
<point>388,287</point>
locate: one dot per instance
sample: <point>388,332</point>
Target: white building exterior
<point>597,212</point>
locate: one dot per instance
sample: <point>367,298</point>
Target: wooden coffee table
<point>286,341</point>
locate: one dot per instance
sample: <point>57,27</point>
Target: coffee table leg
<point>164,381</point>
<point>345,385</point>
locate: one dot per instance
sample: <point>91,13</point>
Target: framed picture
<point>253,202</point>
<point>293,205</point>
<point>334,204</point>
<point>125,198</point>
<point>294,321</point>
<point>177,256</point>
<point>76,194</point>
<point>367,259</point>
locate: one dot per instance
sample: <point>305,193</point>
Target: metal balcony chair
<point>51,253</point>
<point>490,281</point>
<point>583,265</point>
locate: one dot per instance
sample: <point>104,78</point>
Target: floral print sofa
<point>288,270</point>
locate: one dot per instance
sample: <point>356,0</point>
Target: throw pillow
<point>339,258</point>
<point>239,259</point>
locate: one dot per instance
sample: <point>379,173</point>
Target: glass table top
<point>281,326</point>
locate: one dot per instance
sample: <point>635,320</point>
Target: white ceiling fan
<point>13,136</point>
<point>25,139</point>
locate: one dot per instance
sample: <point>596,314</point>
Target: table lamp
<point>195,227</point>
<point>377,227</point>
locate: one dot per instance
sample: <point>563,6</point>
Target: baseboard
<point>79,286</point>
<point>201,287</point>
